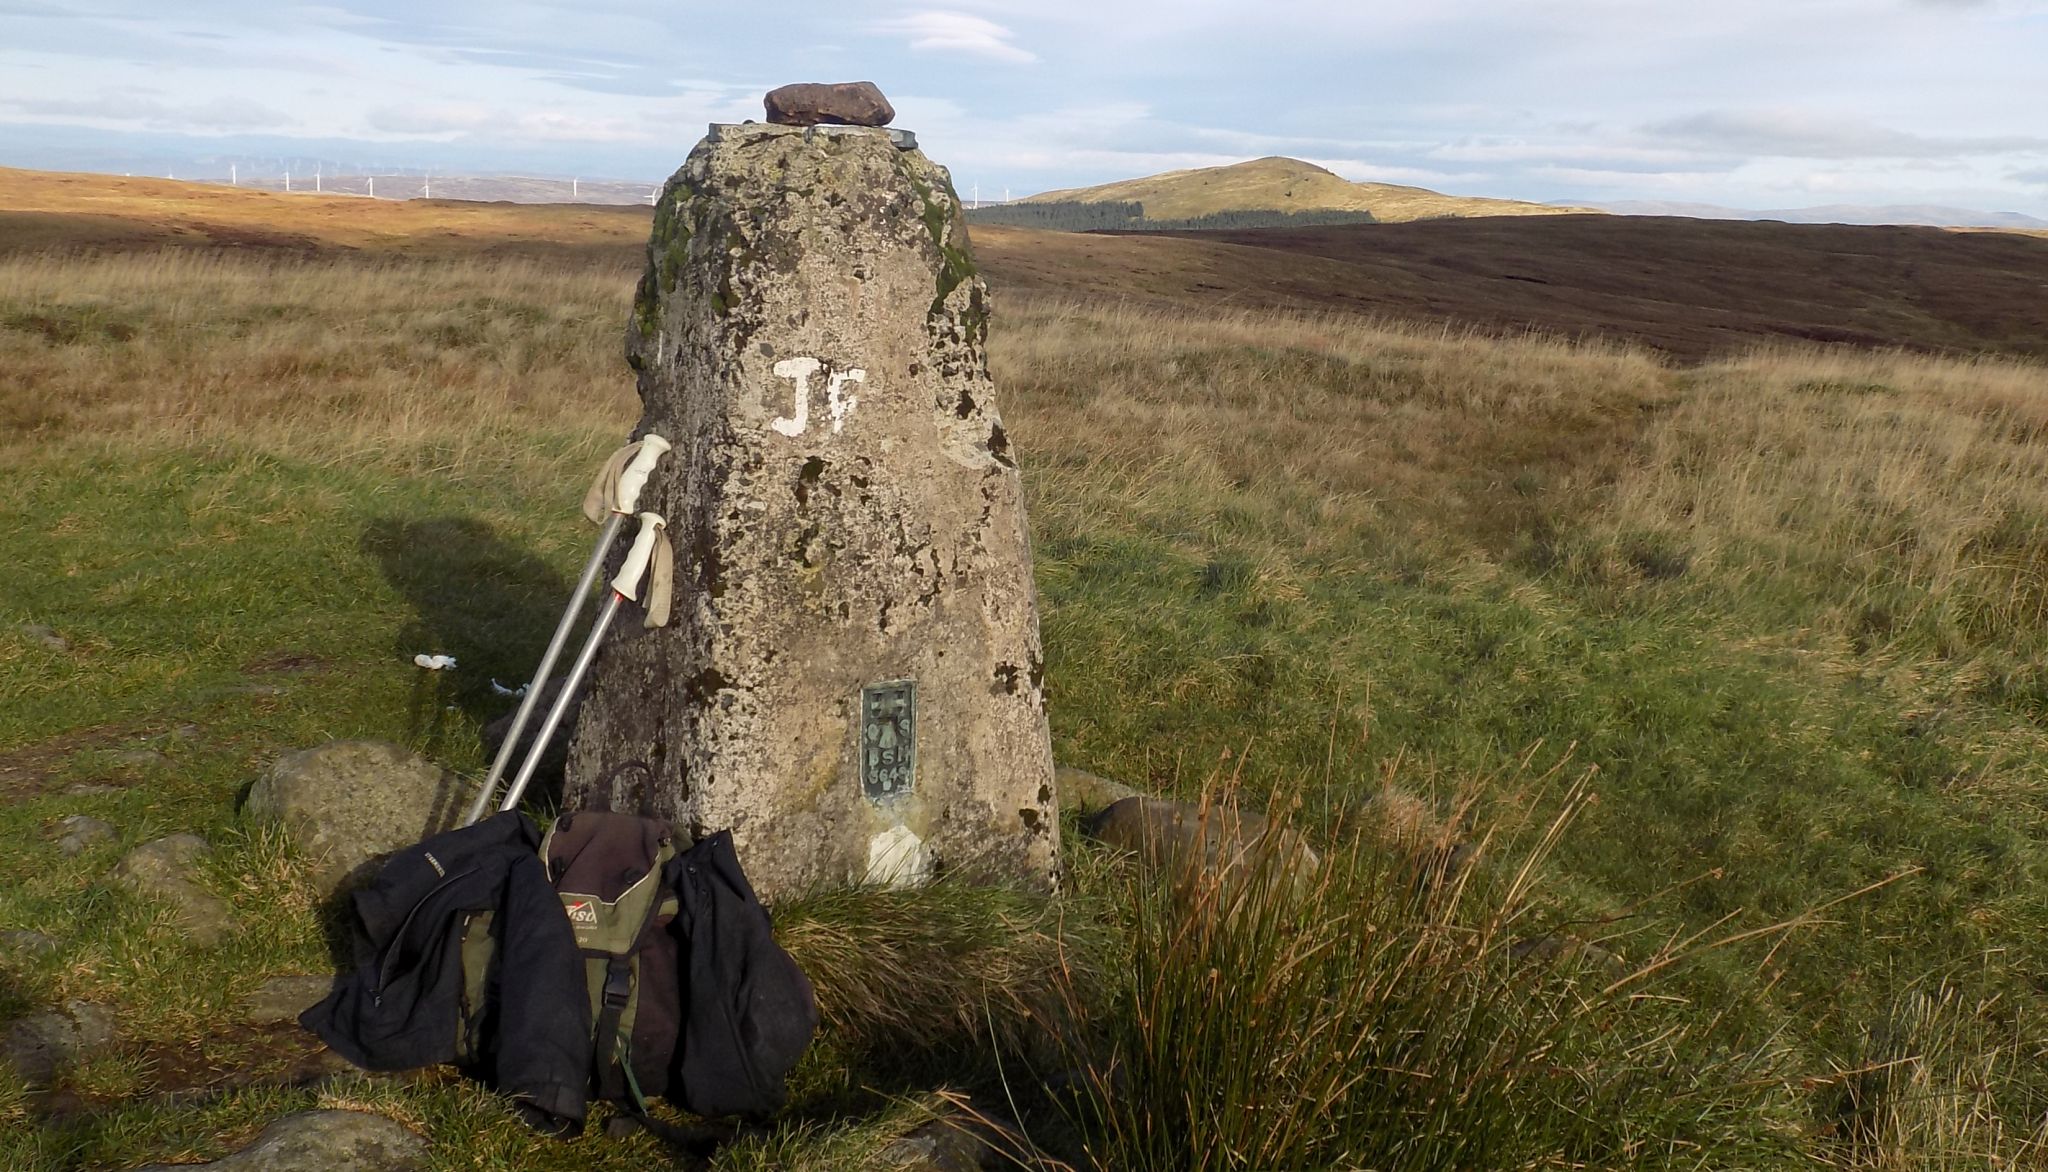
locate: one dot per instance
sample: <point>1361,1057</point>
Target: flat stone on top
<point>851,103</point>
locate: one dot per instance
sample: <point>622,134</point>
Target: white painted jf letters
<point>839,403</point>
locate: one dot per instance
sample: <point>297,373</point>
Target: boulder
<point>1192,839</point>
<point>79,831</point>
<point>347,804</point>
<point>41,1046</point>
<point>961,1137</point>
<point>20,944</point>
<point>1086,792</point>
<point>46,635</point>
<point>810,103</point>
<point>164,870</point>
<point>282,999</point>
<point>322,1141</point>
<point>1411,828</point>
<point>942,1146</point>
<point>1558,949</point>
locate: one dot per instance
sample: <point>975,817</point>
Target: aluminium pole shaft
<point>625,496</point>
<point>626,585</point>
<point>531,700</point>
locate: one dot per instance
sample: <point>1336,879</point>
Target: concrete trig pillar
<point>852,680</point>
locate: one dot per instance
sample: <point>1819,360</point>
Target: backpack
<point>609,871</point>
<point>688,995</point>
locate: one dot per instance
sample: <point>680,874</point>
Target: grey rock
<point>1427,840</point>
<point>163,870</point>
<point>97,1031</point>
<point>140,758</point>
<point>1085,791</point>
<point>322,1141</point>
<point>810,103</point>
<point>38,1046</point>
<point>42,1046</point>
<point>846,511</point>
<point>282,999</point>
<point>45,635</point>
<point>347,804</point>
<point>24,944</point>
<point>961,1141</point>
<point>1189,838</point>
<point>1557,949</point>
<point>80,831</point>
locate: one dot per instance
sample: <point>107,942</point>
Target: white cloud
<point>958,32</point>
<point>1797,134</point>
<point>131,106</point>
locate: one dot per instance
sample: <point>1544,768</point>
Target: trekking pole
<point>624,587</point>
<point>620,505</point>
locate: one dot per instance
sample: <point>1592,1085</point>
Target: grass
<point>1277,184</point>
<point>1776,617</point>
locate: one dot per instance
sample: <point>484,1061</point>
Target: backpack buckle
<point>618,984</point>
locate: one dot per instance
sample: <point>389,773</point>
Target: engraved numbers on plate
<point>839,401</point>
<point>888,739</point>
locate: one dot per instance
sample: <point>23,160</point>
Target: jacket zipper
<point>398,937</point>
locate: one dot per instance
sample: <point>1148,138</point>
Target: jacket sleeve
<point>544,1048</point>
<point>750,1010</point>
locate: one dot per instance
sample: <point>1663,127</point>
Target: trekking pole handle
<point>634,478</point>
<point>627,584</point>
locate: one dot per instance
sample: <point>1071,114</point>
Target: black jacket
<point>400,1005</point>
<point>748,1010</point>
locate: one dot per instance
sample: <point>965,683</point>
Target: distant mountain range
<point>1287,185</point>
<point>1921,215</point>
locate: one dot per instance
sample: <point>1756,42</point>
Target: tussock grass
<point>947,966</point>
<point>1362,1020</point>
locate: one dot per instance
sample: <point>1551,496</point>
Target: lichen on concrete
<point>845,512</point>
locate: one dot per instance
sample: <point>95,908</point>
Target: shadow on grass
<point>477,597</point>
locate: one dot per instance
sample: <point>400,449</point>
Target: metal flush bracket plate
<point>888,739</point>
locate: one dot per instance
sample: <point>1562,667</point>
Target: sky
<point>1747,103</point>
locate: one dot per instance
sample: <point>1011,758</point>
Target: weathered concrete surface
<point>846,511</point>
<point>347,804</point>
<point>323,1141</point>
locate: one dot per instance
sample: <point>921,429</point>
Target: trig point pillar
<point>851,681</point>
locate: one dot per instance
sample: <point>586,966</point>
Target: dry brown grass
<point>1929,468</point>
<point>333,359</point>
<point>1330,422</point>
<point>45,209</point>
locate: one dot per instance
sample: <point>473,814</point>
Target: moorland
<point>1700,579</point>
